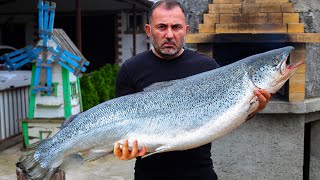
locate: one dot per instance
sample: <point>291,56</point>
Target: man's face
<point>167,31</point>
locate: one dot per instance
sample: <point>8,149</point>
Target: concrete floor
<point>104,168</point>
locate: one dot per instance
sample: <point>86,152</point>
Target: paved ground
<point>104,168</point>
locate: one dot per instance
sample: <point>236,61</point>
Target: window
<point>74,91</point>
<point>139,23</point>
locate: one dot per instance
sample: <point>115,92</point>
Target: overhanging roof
<point>30,6</point>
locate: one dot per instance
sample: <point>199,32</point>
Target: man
<point>168,60</point>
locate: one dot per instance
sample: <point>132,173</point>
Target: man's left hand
<point>263,98</point>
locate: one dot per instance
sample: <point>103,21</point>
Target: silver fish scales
<point>166,116</point>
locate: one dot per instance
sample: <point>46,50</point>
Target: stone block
<point>269,7</point>
<point>295,28</point>
<point>271,1</point>
<point>243,18</point>
<point>297,79</point>
<point>276,18</point>
<point>287,7</point>
<point>296,97</point>
<point>227,1</point>
<point>290,17</point>
<point>211,18</point>
<point>250,8</point>
<point>206,28</point>
<point>251,28</point>
<point>224,8</point>
<point>296,88</point>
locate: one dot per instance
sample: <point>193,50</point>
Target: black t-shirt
<point>145,69</point>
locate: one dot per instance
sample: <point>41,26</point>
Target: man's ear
<point>187,29</point>
<point>147,28</point>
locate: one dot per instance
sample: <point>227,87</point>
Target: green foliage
<point>100,84</point>
<point>88,92</point>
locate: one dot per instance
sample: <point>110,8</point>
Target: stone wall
<point>266,147</point>
<point>270,146</point>
<point>309,15</point>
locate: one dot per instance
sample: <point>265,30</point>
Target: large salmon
<point>166,116</point>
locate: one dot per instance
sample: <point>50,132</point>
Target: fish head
<point>270,70</point>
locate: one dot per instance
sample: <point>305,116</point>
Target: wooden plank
<point>295,28</point>
<point>224,8</point>
<point>211,18</point>
<point>243,18</point>
<point>51,120</point>
<point>250,37</point>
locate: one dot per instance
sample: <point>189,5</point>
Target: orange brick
<point>224,8</point>
<point>275,18</point>
<point>296,56</point>
<point>290,17</point>
<point>269,7</point>
<point>299,47</point>
<point>227,1</point>
<point>211,18</point>
<point>301,69</point>
<point>295,28</point>
<point>250,7</point>
<point>206,28</point>
<point>271,1</point>
<point>296,88</point>
<point>287,7</point>
<point>251,28</point>
<point>243,18</point>
<point>297,79</point>
<point>249,1</point>
<point>296,97</point>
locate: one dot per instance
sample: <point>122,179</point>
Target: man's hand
<point>125,153</point>
<point>263,98</point>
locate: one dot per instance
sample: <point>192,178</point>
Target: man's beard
<point>166,52</point>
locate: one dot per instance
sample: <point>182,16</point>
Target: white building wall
<point>126,40</point>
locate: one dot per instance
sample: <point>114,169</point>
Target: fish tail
<point>32,167</point>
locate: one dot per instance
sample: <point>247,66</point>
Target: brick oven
<point>281,142</point>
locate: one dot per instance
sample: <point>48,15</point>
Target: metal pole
<point>78,25</point>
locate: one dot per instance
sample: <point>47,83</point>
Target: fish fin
<point>93,154</point>
<point>253,105</point>
<point>158,150</point>
<point>68,121</point>
<point>32,166</point>
<point>160,85</point>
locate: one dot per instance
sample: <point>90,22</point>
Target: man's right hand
<point>125,153</point>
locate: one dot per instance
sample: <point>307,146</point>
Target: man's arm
<point>124,86</point>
